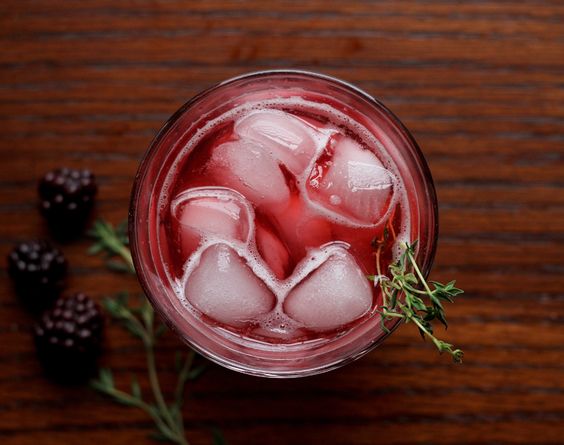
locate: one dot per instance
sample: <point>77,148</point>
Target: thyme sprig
<point>112,241</point>
<point>139,320</point>
<point>404,293</point>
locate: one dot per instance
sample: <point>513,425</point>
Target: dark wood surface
<point>480,84</point>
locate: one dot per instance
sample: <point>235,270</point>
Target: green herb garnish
<point>404,293</point>
<point>139,321</point>
<point>114,243</point>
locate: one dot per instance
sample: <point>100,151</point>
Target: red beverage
<point>260,210</point>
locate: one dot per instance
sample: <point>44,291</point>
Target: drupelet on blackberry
<point>38,270</point>
<point>66,198</point>
<point>68,337</point>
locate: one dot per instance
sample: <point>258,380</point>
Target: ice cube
<point>210,212</point>
<point>248,168</point>
<point>273,251</point>
<point>224,288</point>
<point>352,182</point>
<point>287,137</point>
<point>333,295</point>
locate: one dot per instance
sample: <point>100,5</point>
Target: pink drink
<point>254,217</point>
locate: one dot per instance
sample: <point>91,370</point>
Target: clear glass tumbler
<point>233,351</point>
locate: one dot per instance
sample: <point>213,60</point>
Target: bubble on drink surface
<point>211,213</point>
<point>288,138</point>
<point>335,200</point>
<point>223,287</point>
<point>333,295</point>
<point>350,181</point>
<point>247,167</point>
<point>277,324</point>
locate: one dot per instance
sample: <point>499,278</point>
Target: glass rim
<point>153,149</point>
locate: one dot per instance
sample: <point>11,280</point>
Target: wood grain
<point>88,84</point>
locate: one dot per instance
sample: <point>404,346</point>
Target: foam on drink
<point>310,188</point>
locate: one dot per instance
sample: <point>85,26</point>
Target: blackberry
<point>66,198</point>
<point>68,337</point>
<point>38,271</point>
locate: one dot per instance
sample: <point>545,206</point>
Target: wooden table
<point>87,84</point>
